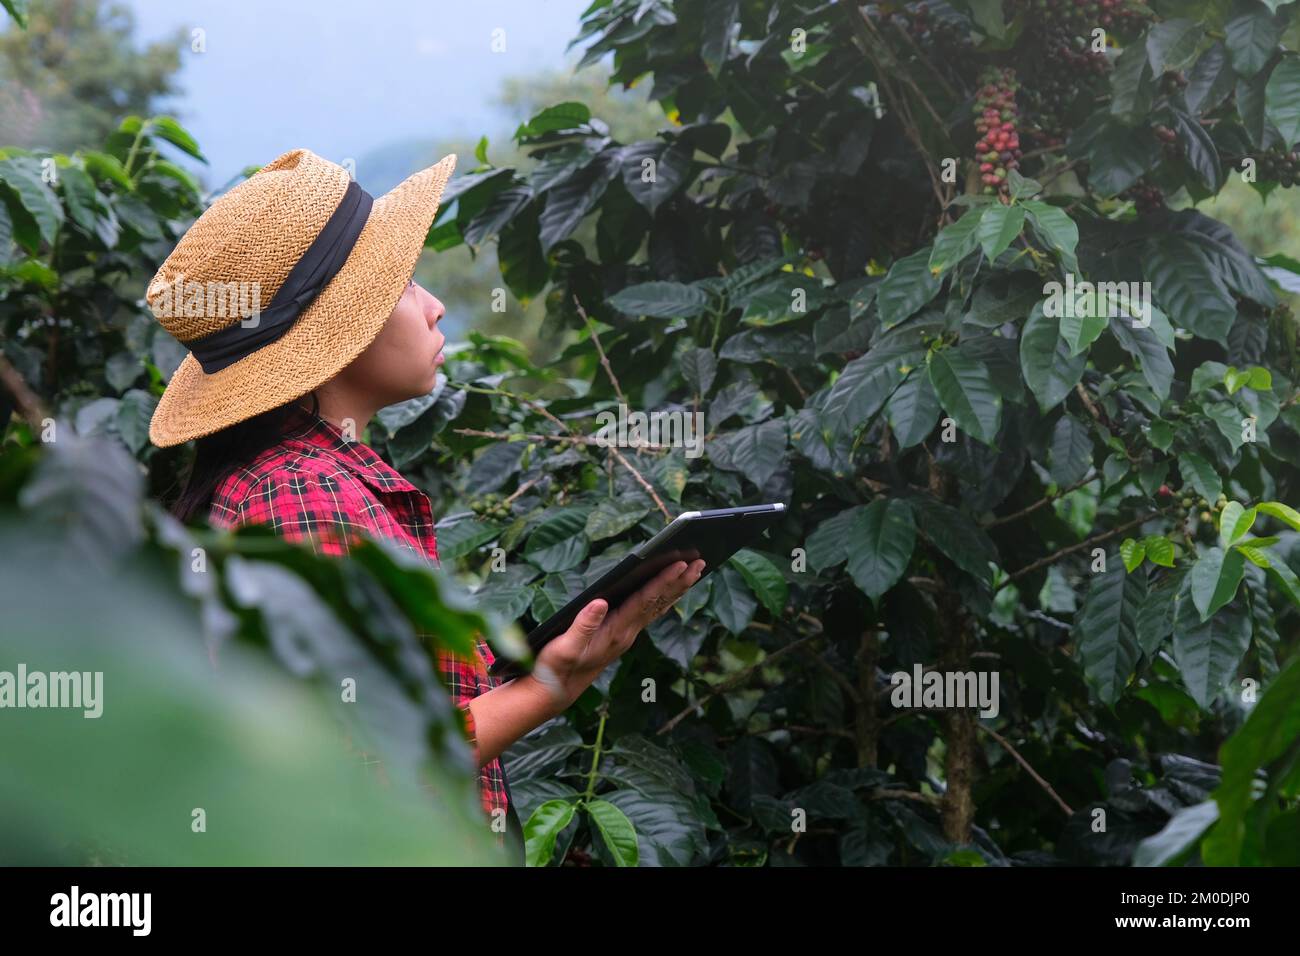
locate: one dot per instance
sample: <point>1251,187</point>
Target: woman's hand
<point>569,663</point>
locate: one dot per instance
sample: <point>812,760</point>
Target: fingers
<point>591,616</point>
<point>657,596</point>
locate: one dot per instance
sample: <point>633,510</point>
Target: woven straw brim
<point>337,327</point>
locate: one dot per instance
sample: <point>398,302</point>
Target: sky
<point>345,79</point>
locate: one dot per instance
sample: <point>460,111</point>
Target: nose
<point>434,310</point>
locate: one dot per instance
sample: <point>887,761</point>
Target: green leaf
<point>133,417</point>
<point>653,185</point>
<point>1234,521</point>
<point>1081,323</point>
<point>1255,554</point>
<point>105,166</point>
<point>612,517</point>
<point>1189,288</point>
<point>1282,99</point>
<point>1201,475</point>
<point>1271,727</point>
<point>955,242</point>
<point>1184,829</point>
<point>828,544</point>
<point>500,211</point>
<point>173,132</point>
<point>22,174</point>
<point>560,541</point>
<point>1209,82</point>
<point>1152,354</point>
<point>1131,85</point>
<point>615,830</point>
<point>999,227</point>
<point>554,118</point>
<point>1132,552</point>
<point>1228,419</point>
<point>699,367</point>
<point>1214,579</point>
<point>731,601</point>
<point>756,451</point>
<point>1159,550</point>
<point>18,10</point>
<point>1199,148</point>
<point>957,536</point>
<point>1171,44</point>
<point>1056,229</point>
<point>967,393</point>
<point>569,202</point>
<point>1069,453</point>
<point>763,578</point>
<point>883,536</point>
<point>1284,577</point>
<point>1020,186</point>
<point>866,383</point>
<point>664,300</point>
<point>1155,620</point>
<point>1051,370</point>
<point>1105,631</point>
<point>1208,651</point>
<point>908,286</point>
<point>1118,156</point>
<point>1251,39</point>
<point>913,409</point>
<point>543,828</point>
<point>1280,511</point>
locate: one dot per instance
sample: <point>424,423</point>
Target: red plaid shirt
<point>317,486</point>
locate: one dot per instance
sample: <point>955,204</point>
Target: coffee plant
<point>1036,420</point>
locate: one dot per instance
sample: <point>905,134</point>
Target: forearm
<point>506,713</point>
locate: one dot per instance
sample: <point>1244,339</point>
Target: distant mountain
<point>382,168</point>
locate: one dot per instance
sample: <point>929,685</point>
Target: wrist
<point>552,697</point>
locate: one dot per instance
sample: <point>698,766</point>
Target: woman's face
<point>403,360</point>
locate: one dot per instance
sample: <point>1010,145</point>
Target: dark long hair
<point>216,455</point>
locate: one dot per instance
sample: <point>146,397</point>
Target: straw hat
<point>250,239</point>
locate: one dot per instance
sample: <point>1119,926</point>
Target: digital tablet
<point>712,535</point>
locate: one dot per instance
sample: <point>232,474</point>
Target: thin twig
<point>28,402</point>
<point>642,481</point>
<point>1006,744</point>
<point>737,678</point>
<point>1041,502</point>
<point>604,359</point>
<point>1057,555</point>
<point>562,439</point>
<point>885,793</point>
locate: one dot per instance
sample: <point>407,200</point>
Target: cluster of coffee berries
<point>1185,503</point>
<point>998,148</point>
<point>1278,165</point>
<point>1168,140</point>
<point>930,33</point>
<point>1173,82</point>
<point>491,505</point>
<point>1146,196</point>
<point>1075,56</point>
<point>1081,17</point>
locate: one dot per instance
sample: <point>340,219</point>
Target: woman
<point>293,292</point>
